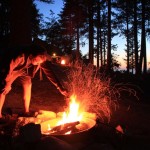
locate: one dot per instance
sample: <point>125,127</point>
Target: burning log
<point>62,129</point>
<point>65,126</point>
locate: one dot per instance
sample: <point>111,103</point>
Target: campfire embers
<point>67,128</point>
<point>71,121</point>
<point>49,120</point>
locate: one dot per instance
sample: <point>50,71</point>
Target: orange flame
<point>73,113</point>
<point>72,116</point>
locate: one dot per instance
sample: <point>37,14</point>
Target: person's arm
<point>47,69</point>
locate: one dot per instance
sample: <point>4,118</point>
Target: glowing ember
<point>49,128</point>
<point>69,132</point>
<point>73,114</point>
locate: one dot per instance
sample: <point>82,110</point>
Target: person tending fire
<point>23,63</point>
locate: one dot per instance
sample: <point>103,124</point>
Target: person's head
<point>39,59</point>
<point>38,54</point>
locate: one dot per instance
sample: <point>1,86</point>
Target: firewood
<point>65,126</point>
<point>62,129</point>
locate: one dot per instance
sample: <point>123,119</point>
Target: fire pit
<point>70,132</point>
<point>68,128</point>
<point>71,121</point>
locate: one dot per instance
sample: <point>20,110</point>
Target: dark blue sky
<point>45,8</point>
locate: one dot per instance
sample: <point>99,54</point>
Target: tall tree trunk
<point>78,35</point>
<point>20,24</point>
<point>98,31</point>
<point>143,58</point>
<point>127,48</point>
<point>78,44</point>
<point>127,21</point>
<point>132,62</point>
<point>104,52</point>
<point>109,59</point>
<point>91,32</point>
<point>136,39</point>
<point>101,47</point>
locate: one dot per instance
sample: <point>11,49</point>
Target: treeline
<point>97,21</point>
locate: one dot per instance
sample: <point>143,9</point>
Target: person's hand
<point>65,93</point>
<point>6,89</point>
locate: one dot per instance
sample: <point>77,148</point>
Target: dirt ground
<point>132,115</point>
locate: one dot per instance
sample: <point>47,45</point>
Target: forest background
<point>56,7</point>
<point>91,24</point>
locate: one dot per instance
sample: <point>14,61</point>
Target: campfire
<point>73,120</point>
<point>69,122</point>
<point>91,97</point>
